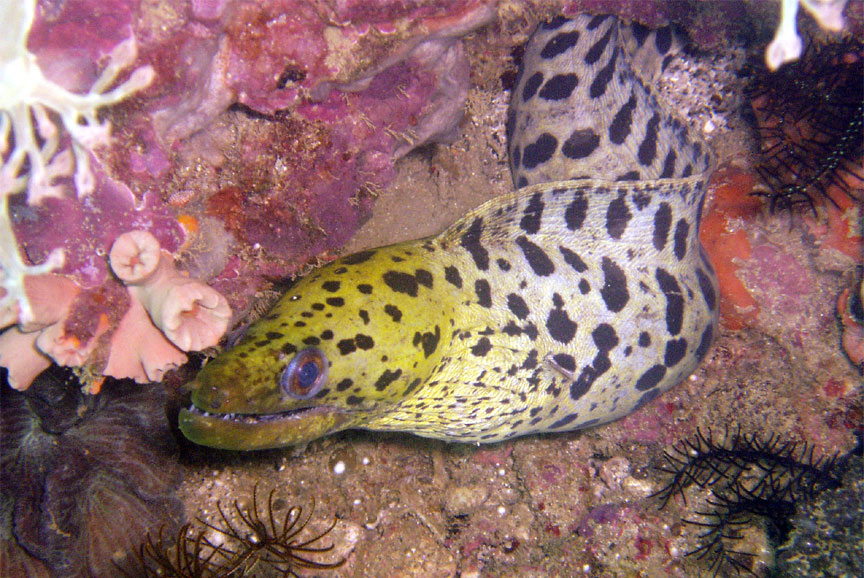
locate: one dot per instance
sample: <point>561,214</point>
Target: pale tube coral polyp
<point>27,350</point>
<point>18,354</point>
<point>140,351</point>
<point>134,256</point>
<point>192,315</point>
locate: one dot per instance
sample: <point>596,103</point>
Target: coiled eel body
<point>568,303</point>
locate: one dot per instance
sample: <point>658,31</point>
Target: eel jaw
<point>260,431</point>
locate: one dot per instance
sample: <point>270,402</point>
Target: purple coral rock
<point>603,514</point>
<point>86,227</point>
<point>87,27</point>
<point>276,62</point>
<point>782,279</point>
<point>208,9</point>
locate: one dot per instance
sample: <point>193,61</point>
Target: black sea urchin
<point>83,477</point>
<point>749,478</point>
<point>810,117</point>
<point>261,543</point>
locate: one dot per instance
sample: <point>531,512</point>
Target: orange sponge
<point>726,242</point>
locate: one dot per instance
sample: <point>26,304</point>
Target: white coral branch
<point>30,137</point>
<point>786,46</point>
<point>26,94</point>
<point>828,13</point>
<point>14,305</point>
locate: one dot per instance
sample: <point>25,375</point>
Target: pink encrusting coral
<point>298,110</point>
<point>18,354</point>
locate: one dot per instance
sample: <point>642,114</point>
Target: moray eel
<point>568,303</point>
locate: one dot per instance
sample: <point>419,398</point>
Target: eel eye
<point>305,375</point>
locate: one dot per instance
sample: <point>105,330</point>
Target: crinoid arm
<point>254,537</point>
<point>810,121</point>
<point>751,480</point>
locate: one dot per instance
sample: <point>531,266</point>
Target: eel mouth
<point>235,431</point>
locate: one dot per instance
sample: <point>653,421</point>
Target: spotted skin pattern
<point>568,303</point>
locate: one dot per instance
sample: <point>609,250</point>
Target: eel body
<point>568,303</point>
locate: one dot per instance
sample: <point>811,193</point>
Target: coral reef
<point>748,477</point>
<point>826,537</point>
<point>546,506</point>
<point>84,477</point>
<point>259,545</point>
<point>70,319</point>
